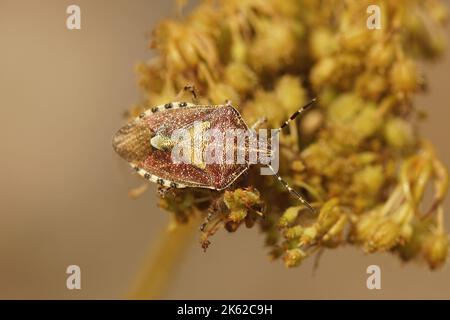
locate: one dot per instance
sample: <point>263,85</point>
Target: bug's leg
<point>211,224</point>
<point>191,89</point>
<point>162,191</point>
<point>259,123</point>
<point>317,260</point>
<point>296,114</point>
<point>292,191</point>
<point>138,191</point>
<point>207,220</point>
<point>132,112</point>
<point>228,103</point>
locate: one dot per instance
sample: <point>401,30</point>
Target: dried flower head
<point>357,157</point>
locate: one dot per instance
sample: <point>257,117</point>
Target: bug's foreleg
<point>138,191</point>
<point>162,191</point>
<point>188,88</point>
<point>259,123</point>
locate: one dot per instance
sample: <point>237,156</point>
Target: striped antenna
<point>284,183</point>
<point>297,113</point>
<point>292,191</point>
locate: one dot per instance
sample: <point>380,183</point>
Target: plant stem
<point>155,274</point>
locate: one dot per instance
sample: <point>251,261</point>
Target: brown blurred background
<point>63,192</point>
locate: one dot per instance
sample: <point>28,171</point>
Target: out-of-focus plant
<point>358,156</point>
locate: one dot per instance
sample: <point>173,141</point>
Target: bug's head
<point>131,142</point>
<point>162,142</point>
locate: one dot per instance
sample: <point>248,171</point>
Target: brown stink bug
<point>147,143</point>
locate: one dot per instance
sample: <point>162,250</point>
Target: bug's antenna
<point>284,183</point>
<point>292,191</point>
<point>297,113</point>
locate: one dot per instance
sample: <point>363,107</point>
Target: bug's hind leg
<point>212,222</point>
<point>188,88</point>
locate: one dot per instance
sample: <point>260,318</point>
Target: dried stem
<point>159,265</point>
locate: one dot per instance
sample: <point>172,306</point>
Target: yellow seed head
<point>336,229</point>
<point>381,55</point>
<point>290,94</point>
<point>365,226</point>
<point>435,250</point>
<point>385,236</point>
<point>323,71</point>
<point>399,133</point>
<point>323,43</point>
<point>404,76</point>
<point>328,216</point>
<point>309,235</point>
<point>294,232</point>
<point>237,215</point>
<point>288,217</point>
<point>240,77</point>
<point>293,257</point>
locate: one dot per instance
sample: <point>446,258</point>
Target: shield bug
<point>148,142</point>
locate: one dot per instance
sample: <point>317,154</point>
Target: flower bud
<point>366,226</point>
<point>336,229</point>
<point>188,52</point>
<point>322,43</point>
<point>312,122</point>
<point>237,215</point>
<point>241,198</point>
<point>297,166</point>
<point>240,77</point>
<point>381,55</point>
<point>435,249</point>
<point>404,76</point>
<point>385,236</point>
<point>399,133</point>
<point>344,108</point>
<point>439,12</point>
<point>221,92</point>
<point>174,58</point>
<point>293,257</point>
<point>294,232</point>
<point>309,235</point>
<point>371,85</point>
<point>278,39</point>
<point>406,233</point>
<point>289,216</point>
<point>355,37</point>
<point>368,180</point>
<point>367,122</point>
<point>323,71</point>
<point>290,93</point>
<point>328,216</point>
